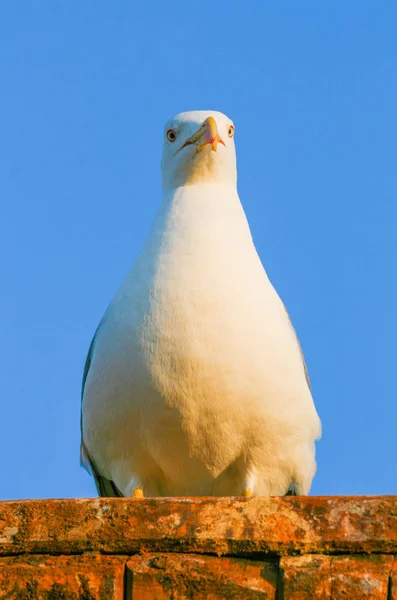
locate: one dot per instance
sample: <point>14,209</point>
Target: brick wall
<point>199,548</point>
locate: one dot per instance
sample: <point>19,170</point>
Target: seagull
<point>195,382</point>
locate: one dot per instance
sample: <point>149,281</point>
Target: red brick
<point>38,577</point>
<point>241,526</point>
<point>181,576</point>
<point>305,577</point>
<point>361,577</point>
<point>393,581</point>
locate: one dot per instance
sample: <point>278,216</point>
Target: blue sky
<point>85,89</point>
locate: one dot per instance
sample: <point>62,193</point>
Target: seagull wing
<point>300,349</point>
<point>105,487</point>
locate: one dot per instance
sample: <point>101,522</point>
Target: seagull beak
<point>206,134</point>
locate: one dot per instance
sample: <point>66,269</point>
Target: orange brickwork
<point>289,548</point>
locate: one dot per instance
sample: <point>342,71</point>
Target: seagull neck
<point>191,218</point>
<point>201,209</point>
<point>203,193</point>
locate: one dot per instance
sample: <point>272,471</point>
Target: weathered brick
<point>361,577</point>
<point>38,577</point>
<point>181,576</point>
<point>241,526</point>
<point>303,577</point>
<point>393,581</point>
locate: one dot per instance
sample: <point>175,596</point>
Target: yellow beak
<point>206,134</point>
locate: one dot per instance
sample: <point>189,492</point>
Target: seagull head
<point>198,148</point>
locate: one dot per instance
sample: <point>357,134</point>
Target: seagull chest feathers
<point>195,382</point>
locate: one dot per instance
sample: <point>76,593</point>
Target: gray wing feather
<point>300,349</point>
<point>293,489</point>
<point>105,487</point>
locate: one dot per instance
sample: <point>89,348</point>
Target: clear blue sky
<point>85,87</point>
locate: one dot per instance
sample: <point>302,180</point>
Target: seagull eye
<point>171,135</point>
<point>230,131</point>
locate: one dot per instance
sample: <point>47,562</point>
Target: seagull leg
<point>249,484</point>
<point>138,493</point>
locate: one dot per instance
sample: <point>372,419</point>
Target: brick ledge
<point>233,526</point>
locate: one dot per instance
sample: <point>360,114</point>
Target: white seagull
<point>195,383</point>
